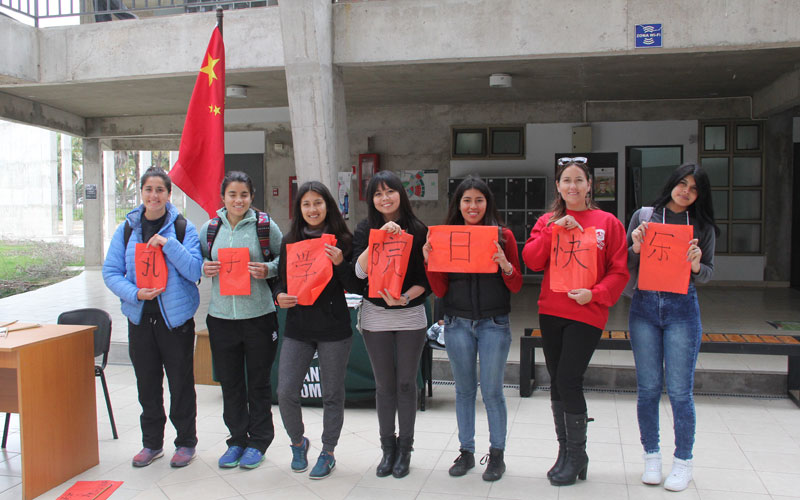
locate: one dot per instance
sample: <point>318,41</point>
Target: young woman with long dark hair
<point>572,322</point>
<point>393,327</point>
<point>476,307</point>
<point>243,329</point>
<point>665,327</point>
<point>160,320</point>
<point>323,327</point>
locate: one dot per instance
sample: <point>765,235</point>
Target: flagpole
<point>219,19</point>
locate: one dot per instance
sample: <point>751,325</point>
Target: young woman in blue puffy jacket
<point>160,320</point>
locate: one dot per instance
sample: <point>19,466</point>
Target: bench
<point>727,343</point>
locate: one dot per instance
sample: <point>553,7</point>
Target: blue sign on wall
<point>648,35</point>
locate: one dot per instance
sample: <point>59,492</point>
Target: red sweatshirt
<point>612,267</point>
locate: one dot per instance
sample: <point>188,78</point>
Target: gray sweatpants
<point>296,356</point>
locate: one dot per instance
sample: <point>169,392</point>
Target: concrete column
<point>92,207</point>
<point>778,164</point>
<point>52,176</point>
<point>315,90</point>
<point>67,184</point>
<point>110,189</point>
<point>178,197</point>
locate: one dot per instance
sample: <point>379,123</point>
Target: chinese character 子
<point>571,251</point>
<point>459,245</point>
<point>230,262</point>
<point>149,261</point>
<point>660,247</point>
<point>389,252</point>
<point>302,266</point>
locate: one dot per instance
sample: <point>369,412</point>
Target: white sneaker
<point>680,476</point>
<point>652,468</point>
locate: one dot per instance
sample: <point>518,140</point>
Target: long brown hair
<point>559,206</point>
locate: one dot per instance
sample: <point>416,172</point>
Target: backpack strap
<point>262,229</point>
<point>180,229</point>
<point>211,233</point>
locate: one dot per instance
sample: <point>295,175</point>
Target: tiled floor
<point>746,448</point>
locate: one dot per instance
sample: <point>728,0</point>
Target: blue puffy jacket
<point>181,298</point>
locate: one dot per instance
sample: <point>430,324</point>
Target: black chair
<point>426,363</point>
<point>102,342</point>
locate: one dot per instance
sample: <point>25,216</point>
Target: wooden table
<point>47,377</point>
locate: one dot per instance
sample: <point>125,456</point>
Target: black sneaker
<point>462,464</point>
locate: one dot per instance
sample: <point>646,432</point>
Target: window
<point>732,155</point>
<point>488,142</point>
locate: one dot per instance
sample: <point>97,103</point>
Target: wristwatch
<point>405,296</point>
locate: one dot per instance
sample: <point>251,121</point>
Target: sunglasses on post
<point>566,160</point>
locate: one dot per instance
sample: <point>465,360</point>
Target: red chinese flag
<point>662,260</point>
<point>201,160</point>
<point>388,261</point>
<point>308,269</point>
<point>463,249</point>
<point>151,269</point>
<point>234,278</point>
<point>573,259</point>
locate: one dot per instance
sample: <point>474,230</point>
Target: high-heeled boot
<point>389,447</point>
<point>577,462</point>
<point>403,459</point>
<point>561,435</point>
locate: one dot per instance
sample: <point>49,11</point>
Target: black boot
<point>576,463</point>
<point>496,467</point>
<point>561,434</point>
<point>389,447</point>
<point>403,458</point>
<point>462,464</point>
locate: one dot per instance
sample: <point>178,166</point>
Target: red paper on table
<point>463,249</point>
<point>151,269</point>
<point>308,269</point>
<point>388,261</point>
<point>90,490</point>
<point>662,260</point>
<point>573,259</point>
<point>234,278</point>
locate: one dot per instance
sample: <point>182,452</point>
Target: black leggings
<point>568,347</point>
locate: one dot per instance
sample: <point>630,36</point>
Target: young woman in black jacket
<point>393,327</point>
<point>323,327</point>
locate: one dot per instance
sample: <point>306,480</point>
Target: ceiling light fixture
<point>236,91</point>
<point>500,80</point>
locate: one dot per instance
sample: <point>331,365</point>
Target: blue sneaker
<point>251,458</point>
<point>230,458</point>
<point>324,467</point>
<point>300,456</point>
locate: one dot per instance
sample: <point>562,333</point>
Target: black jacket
<point>328,318</point>
<point>477,296</point>
<point>415,275</point>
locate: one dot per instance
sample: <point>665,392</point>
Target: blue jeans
<point>665,338</point>
<point>465,340</point>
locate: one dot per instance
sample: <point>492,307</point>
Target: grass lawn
<point>27,265</point>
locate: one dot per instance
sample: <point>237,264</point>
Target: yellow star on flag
<point>209,69</point>
<point>216,110</point>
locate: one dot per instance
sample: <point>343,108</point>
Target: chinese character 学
<point>302,266</point>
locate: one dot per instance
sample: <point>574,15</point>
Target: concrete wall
<point>19,46</point>
<point>28,186</point>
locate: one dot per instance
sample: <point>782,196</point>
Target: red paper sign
<point>308,269</point>
<point>90,490</point>
<point>151,269</point>
<point>388,261</point>
<point>573,259</point>
<point>662,260</point>
<point>463,249</point>
<point>234,278</point>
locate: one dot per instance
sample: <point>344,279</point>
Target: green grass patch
<point>28,265</point>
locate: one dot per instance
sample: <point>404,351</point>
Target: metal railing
<point>107,10</point>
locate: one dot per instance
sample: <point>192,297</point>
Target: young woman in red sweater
<point>572,322</point>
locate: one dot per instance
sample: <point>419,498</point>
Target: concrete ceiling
<point>613,77</point>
